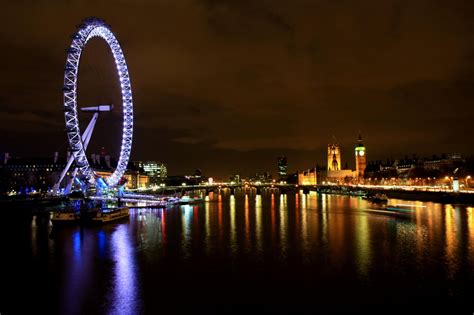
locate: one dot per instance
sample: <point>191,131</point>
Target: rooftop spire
<point>359,141</point>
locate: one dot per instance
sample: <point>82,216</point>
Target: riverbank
<point>433,196</point>
<point>30,204</point>
<point>415,195</point>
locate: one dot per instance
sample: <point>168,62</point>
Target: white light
<point>89,30</point>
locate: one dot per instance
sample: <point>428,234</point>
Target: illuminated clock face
<point>361,153</point>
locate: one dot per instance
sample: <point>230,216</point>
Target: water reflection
<point>470,232</point>
<point>325,205</point>
<point>125,295</point>
<point>304,224</point>
<point>186,219</point>
<point>207,226</point>
<point>247,223</point>
<point>283,215</point>
<point>258,221</point>
<point>233,231</point>
<point>314,240</point>
<point>163,227</point>
<point>451,229</point>
<point>363,245</point>
<point>77,276</point>
<point>272,212</point>
<point>101,244</point>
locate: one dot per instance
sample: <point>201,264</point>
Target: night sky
<point>227,86</point>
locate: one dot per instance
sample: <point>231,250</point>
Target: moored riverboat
<point>110,215</point>
<point>377,198</point>
<point>65,218</point>
<point>186,200</point>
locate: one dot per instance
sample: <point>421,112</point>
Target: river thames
<point>261,253</point>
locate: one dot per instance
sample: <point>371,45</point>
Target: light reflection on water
<point>363,245</point>
<point>186,219</point>
<point>125,296</point>
<point>258,222</point>
<point>247,223</point>
<point>283,216</point>
<point>320,237</point>
<point>233,231</point>
<point>470,228</point>
<point>78,248</point>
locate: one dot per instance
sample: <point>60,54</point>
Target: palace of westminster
<point>334,173</point>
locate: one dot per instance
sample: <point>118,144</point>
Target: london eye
<point>89,28</point>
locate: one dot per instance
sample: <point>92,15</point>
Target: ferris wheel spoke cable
<point>94,27</point>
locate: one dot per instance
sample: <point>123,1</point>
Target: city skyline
<point>258,156</point>
<point>236,85</point>
<point>346,160</point>
<point>279,170</point>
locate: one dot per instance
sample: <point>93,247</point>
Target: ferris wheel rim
<point>94,27</point>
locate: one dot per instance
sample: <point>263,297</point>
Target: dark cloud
<point>227,86</point>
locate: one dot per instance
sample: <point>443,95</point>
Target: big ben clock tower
<point>360,158</point>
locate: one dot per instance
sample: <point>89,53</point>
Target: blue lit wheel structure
<point>90,28</point>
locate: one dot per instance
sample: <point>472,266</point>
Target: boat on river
<point>171,201</point>
<point>110,214</point>
<point>377,198</point>
<point>187,200</point>
<point>65,217</point>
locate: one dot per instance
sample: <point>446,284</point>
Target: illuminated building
<point>282,168</point>
<point>133,178</point>
<point>340,176</point>
<point>30,174</point>
<point>261,178</point>
<point>103,165</point>
<point>308,177</point>
<point>360,158</point>
<point>155,170</point>
<point>443,162</point>
<point>334,157</point>
<point>235,178</point>
<point>335,173</point>
<point>25,175</point>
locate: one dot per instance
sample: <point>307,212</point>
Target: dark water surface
<point>270,253</point>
